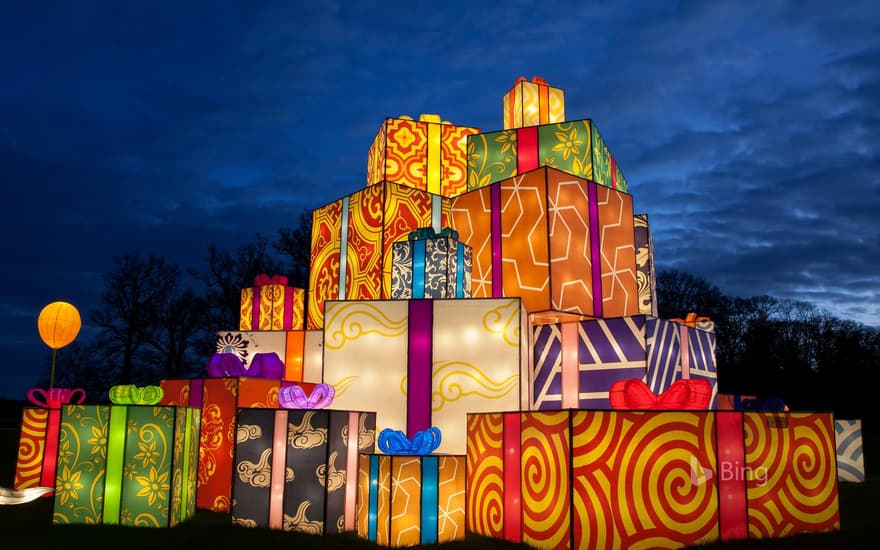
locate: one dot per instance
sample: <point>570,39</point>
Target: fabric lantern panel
<point>296,470</point>
<point>850,460</point>
<point>423,363</point>
<point>575,364</point>
<point>299,350</point>
<point>352,240</point>
<point>126,464</point>
<point>426,154</point>
<point>600,479</point>
<point>431,265</point>
<point>271,305</point>
<point>561,243</point>
<point>38,440</point>
<point>406,500</point>
<point>645,273</point>
<point>218,399</point>
<point>790,473</point>
<point>574,147</point>
<point>533,103</point>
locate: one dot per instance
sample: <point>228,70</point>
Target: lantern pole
<point>52,372</point>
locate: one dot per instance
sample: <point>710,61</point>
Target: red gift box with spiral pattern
<point>598,479</point>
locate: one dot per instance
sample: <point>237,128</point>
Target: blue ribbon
<point>395,442</point>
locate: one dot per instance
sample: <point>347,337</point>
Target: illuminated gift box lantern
<point>299,350</point>
<point>561,243</point>
<point>38,442</point>
<point>623,479</point>
<point>218,399</point>
<point>126,464</point>
<point>575,364</point>
<point>645,274</point>
<point>352,240</point>
<point>406,500</point>
<point>426,154</point>
<point>533,103</point>
<point>423,363</point>
<point>296,470</point>
<point>271,305</point>
<point>575,148</point>
<point>850,460</point>
<point>431,264</point>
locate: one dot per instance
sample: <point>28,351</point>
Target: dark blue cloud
<point>748,130</point>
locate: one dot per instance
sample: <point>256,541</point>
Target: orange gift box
<point>426,154</point>
<point>219,399</point>
<point>352,242</point>
<point>562,243</point>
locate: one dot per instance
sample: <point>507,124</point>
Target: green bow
<point>129,394</point>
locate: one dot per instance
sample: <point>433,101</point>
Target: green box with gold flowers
<point>126,464</point>
<point>575,147</point>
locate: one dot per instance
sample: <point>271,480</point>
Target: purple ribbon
<point>294,397</point>
<point>263,365</point>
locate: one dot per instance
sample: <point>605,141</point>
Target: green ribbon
<point>429,233</point>
<point>129,394</point>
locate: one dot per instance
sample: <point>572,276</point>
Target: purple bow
<point>263,365</point>
<point>294,397</point>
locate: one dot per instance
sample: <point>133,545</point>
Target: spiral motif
<point>485,490</point>
<point>633,479</point>
<point>791,478</point>
<point>29,465</point>
<point>546,483</point>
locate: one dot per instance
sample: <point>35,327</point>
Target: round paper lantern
<point>58,323</point>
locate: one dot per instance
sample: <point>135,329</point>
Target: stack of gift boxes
<point>498,288</point>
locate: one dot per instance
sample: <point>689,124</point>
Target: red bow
<point>692,394</point>
<point>263,279</point>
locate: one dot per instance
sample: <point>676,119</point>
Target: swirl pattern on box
<point>633,481</point>
<point>29,464</point>
<point>324,260</point>
<point>546,483</point>
<point>485,488</point>
<point>792,480</point>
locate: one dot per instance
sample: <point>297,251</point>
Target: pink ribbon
<point>53,398</point>
<point>294,397</point>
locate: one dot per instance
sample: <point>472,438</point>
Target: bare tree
<point>228,273</point>
<point>135,294</point>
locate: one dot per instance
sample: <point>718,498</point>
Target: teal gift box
<point>126,464</point>
<point>431,264</point>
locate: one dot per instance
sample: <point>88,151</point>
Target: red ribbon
<point>264,279</point>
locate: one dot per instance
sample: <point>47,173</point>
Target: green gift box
<point>126,464</point>
<point>575,147</point>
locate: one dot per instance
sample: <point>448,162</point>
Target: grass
<point>29,527</point>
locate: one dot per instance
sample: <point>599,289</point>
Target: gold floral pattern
<point>153,486</point>
<point>68,485</point>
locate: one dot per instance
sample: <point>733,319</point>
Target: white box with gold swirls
<point>422,363</point>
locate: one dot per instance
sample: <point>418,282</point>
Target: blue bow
<point>395,442</point>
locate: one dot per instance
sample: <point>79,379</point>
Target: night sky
<point>748,131</point>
